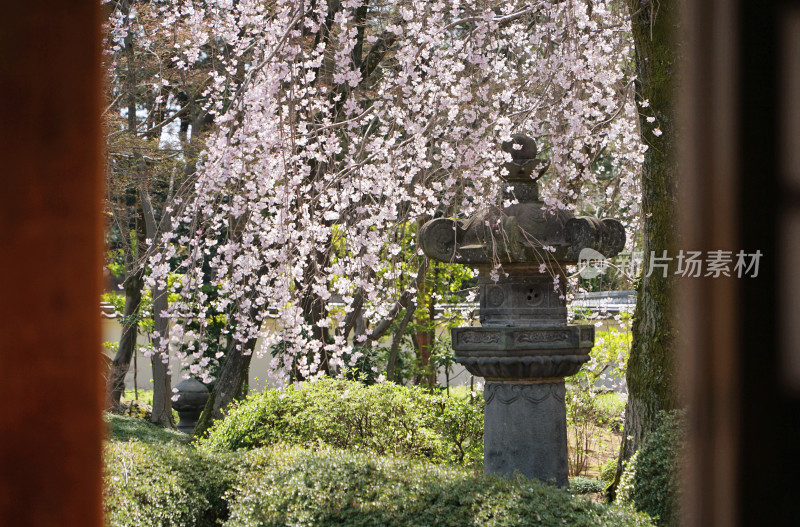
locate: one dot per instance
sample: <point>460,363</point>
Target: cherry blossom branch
<point>400,304</point>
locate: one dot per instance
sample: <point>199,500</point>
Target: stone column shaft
<point>526,430</point>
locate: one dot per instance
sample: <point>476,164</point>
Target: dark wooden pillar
<point>50,264</point>
<point>708,349</point>
<point>740,337</point>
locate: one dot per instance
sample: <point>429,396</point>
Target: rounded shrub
<point>608,469</point>
<point>383,418</point>
<point>582,485</point>
<point>651,479</point>
<point>169,484</point>
<point>291,486</point>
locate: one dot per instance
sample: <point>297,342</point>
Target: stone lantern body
<point>192,398</point>
<point>524,347</point>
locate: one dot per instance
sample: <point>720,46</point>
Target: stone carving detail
<point>541,336</point>
<point>480,337</point>
<point>524,193</point>
<point>491,389</point>
<point>495,297</point>
<point>438,239</point>
<point>533,393</point>
<point>523,367</point>
<point>534,296</point>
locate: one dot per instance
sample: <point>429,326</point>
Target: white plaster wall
<point>259,366</point>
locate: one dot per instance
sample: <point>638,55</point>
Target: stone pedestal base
<point>525,429</point>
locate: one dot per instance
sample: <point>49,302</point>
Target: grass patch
<point>124,428</point>
<point>145,396</point>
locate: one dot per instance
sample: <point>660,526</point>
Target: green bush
<point>651,480</point>
<point>383,418</point>
<point>167,484</point>
<point>581,485</point>
<point>608,470</point>
<point>594,414</point>
<point>289,486</point>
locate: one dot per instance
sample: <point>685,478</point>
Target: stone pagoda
<point>524,347</point>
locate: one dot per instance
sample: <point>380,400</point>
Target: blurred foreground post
<point>50,264</point>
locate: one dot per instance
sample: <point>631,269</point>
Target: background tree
<point>650,376</point>
<point>154,120</point>
<point>339,124</point>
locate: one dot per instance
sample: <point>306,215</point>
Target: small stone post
<point>524,347</point>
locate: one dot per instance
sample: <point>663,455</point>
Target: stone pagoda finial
<point>518,233</point>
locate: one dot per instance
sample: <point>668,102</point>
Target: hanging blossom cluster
<point>341,125</point>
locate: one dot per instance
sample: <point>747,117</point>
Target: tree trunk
<point>134,280</point>
<point>411,308</point>
<point>425,338</point>
<point>229,385</point>
<point>391,363</point>
<point>424,343</point>
<point>650,376</point>
<point>162,380</point>
<point>244,374</point>
<point>130,330</point>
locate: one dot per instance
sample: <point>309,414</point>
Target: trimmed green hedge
<point>295,487</point>
<point>651,480</point>
<point>383,418</point>
<point>169,484</point>
<point>155,479</point>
